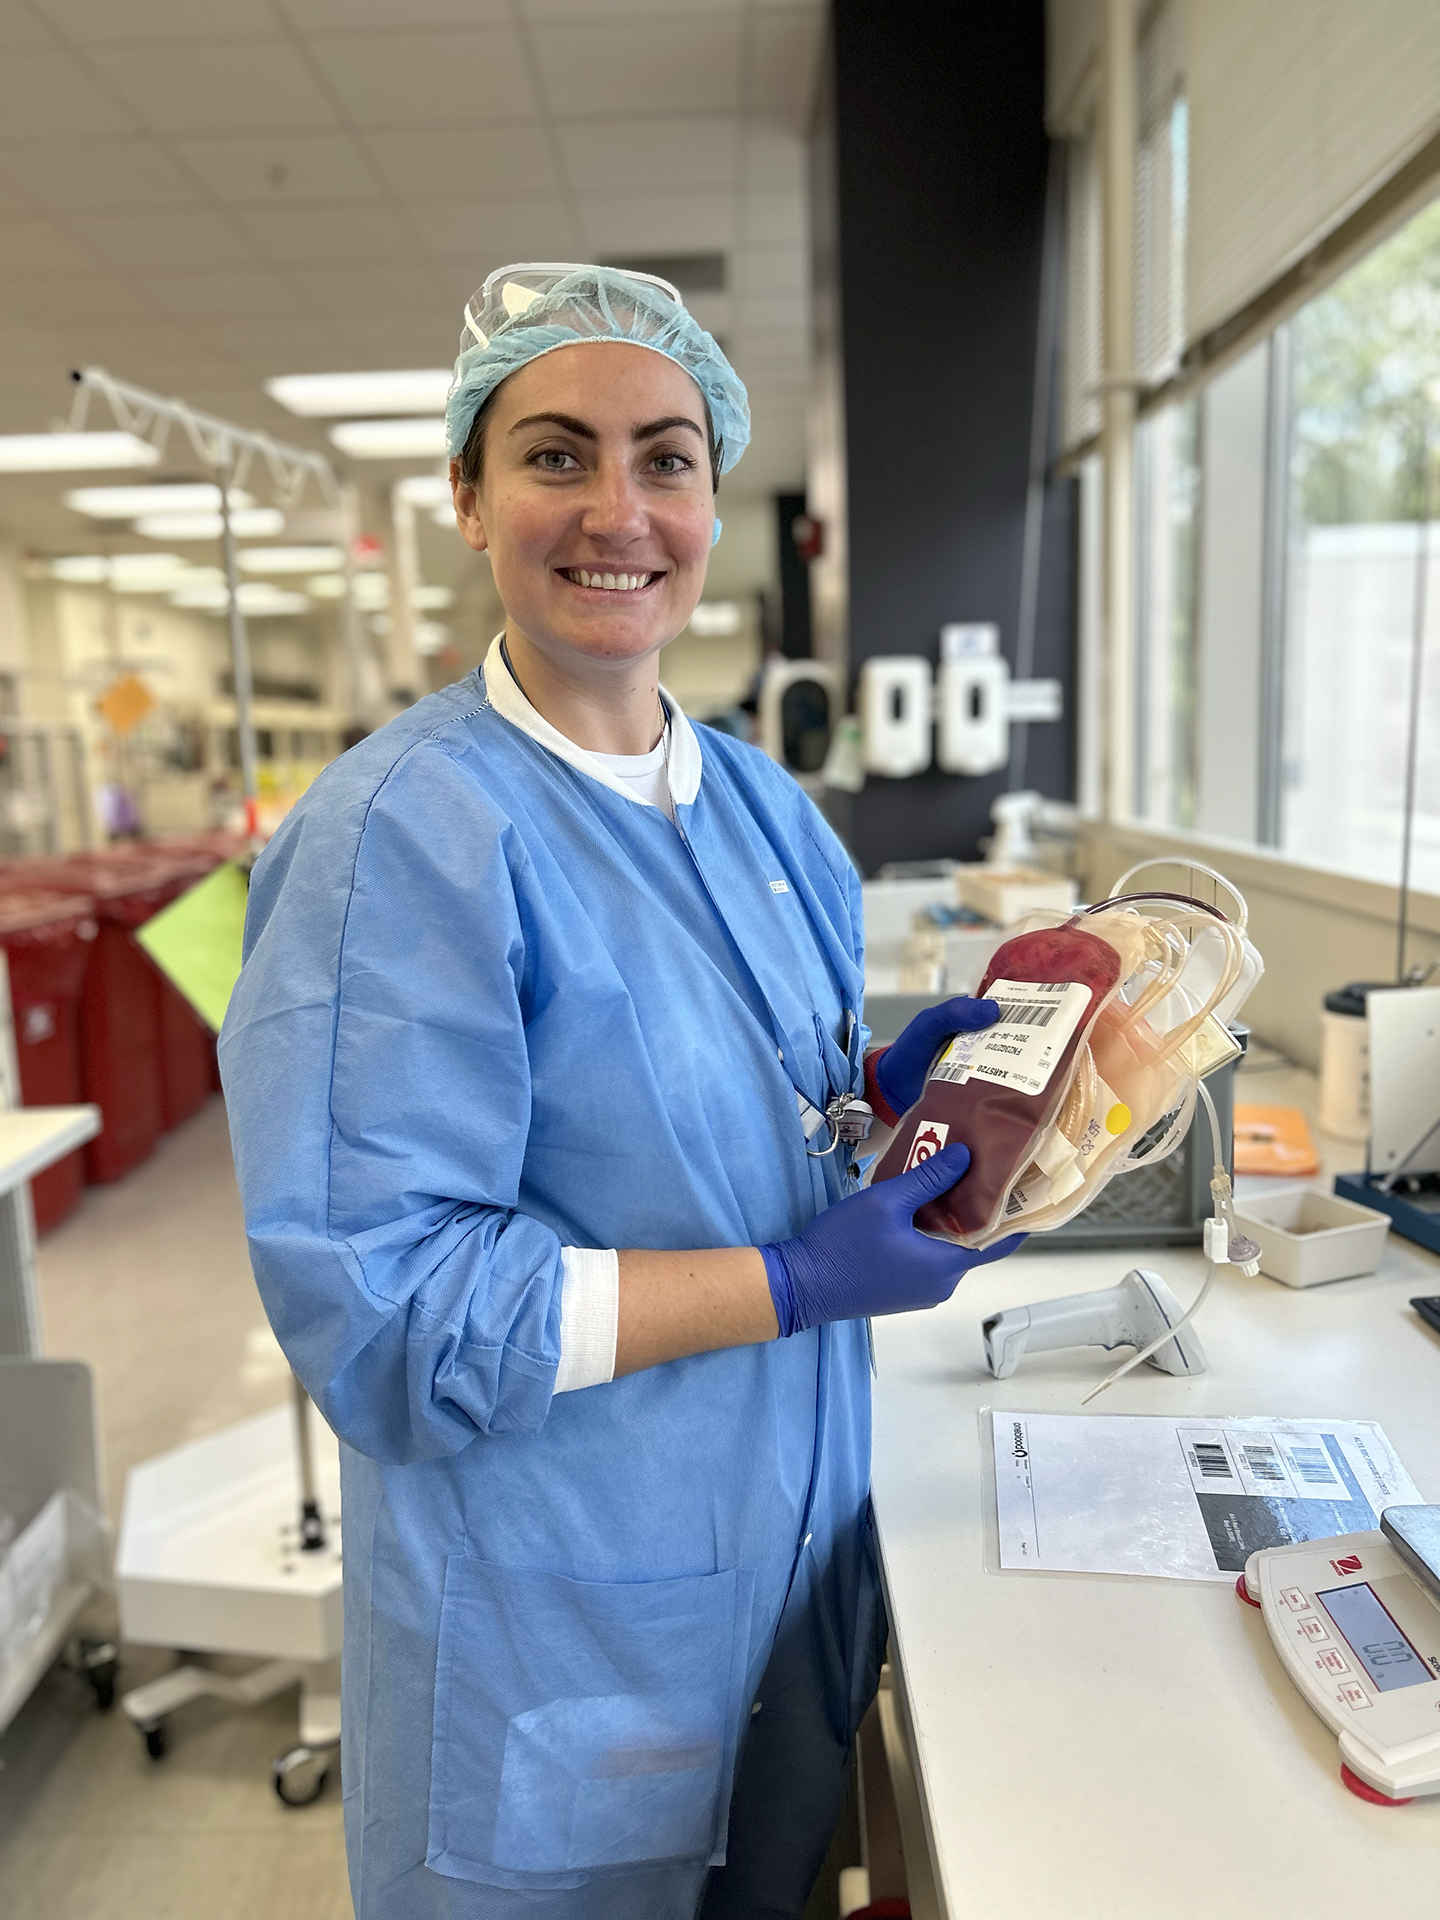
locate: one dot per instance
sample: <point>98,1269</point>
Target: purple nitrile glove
<point>901,1069</point>
<point>865,1255</point>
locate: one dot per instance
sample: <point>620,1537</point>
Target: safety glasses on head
<point>511,291</point>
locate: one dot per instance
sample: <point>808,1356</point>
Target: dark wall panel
<point>941,157</point>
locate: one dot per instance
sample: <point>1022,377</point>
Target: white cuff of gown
<point>589,1317</point>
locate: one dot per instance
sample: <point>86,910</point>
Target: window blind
<point>1297,111</point>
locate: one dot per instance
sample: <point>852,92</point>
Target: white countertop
<point>33,1138</point>
<point>1096,1747</point>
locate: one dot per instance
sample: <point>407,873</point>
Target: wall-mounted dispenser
<point>896,705</point>
<point>978,700</point>
<point>800,703</point>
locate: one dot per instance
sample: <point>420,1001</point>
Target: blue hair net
<point>525,311</point>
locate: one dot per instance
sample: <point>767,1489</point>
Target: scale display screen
<point>1378,1644</point>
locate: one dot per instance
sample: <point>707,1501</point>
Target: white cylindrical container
<point>1345,1064</point>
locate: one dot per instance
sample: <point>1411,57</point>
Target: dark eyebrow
<point>565,420</point>
<point>651,427</point>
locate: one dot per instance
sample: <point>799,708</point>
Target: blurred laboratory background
<point>1094,357</point>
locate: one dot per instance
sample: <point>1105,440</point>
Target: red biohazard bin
<point>188,1074</point>
<point>47,939</point>
<point>119,1010</point>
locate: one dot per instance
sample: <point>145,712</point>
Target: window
<point>1288,594</point>
<point>1362,596</point>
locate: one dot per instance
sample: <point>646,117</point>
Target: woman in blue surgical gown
<point>545,994</point>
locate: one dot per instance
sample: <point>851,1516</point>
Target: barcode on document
<point>1211,1460</point>
<point>1263,1464</point>
<point>1313,1466</point>
<point>1027,1013</point>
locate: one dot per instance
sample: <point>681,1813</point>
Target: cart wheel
<point>95,1660</point>
<point>300,1775</point>
<point>154,1741</point>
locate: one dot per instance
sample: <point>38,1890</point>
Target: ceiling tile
<point>398,340</point>
<point>638,154</point>
<point>134,173</point>
<point>784,64</point>
<point>489,234</point>
<point>658,223</point>
<point>771,270</point>
<point>149,353</point>
<point>757,347</point>
<point>176,239</point>
<point>774,312</point>
<point>93,22</point>
<point>642,66</point>
<point>334,291</point>
<point>275,341</point>
<point>45,95</point>
<point>589,10</point>
<point>427,78</point>
<point>774,158</point>
<point>329,16</point>
<point>277,169</point>
<point>19,27</point>
<point>300,234</point>
<point>234,291</point>
<point>774,217</point>
<point>39,246</point>
<point>49,301</point>
<point>714,311</point>
<point>429,163</point>
<point>245,85</point>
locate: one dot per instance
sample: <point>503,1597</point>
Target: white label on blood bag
<point>1023,1048</point>
<point>930,1136</point>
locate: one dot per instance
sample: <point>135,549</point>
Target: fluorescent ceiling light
<point>73,452</point>
<point>421,439</point>
<point>257,598</point>
<point>425,490</point>
<point>81,569</point>
<point>372,592</point>
<point>431,599</point>
<point>249,523</point>
<point>715,616</point>
<point>291,559</point>
<point>129,503</point>
<point>330,396</point>
<point>325,586</point>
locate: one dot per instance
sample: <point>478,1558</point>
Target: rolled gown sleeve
<point>378,1085</point>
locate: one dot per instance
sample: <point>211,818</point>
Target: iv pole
<point>228,451</point>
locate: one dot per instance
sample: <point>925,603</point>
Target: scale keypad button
<point>1312,1628</point>
<point>1333,1661</point>
<point>1296,1599</point>
<point>1354,1697</point>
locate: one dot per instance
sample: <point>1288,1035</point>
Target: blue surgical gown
<point>605,1650</point>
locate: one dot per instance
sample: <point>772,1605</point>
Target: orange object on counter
<point>1273,1140</point>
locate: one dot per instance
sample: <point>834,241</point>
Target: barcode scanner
<point>1131,1315</point>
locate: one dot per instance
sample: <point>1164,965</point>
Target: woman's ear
<point>467,510</point>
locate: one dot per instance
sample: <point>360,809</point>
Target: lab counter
<point>1095,1747</point>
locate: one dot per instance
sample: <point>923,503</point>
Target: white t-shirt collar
<point>510,703</point>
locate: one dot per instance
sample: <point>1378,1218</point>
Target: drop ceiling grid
<point>141,217</point>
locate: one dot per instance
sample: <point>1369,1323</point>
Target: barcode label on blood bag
<point>1212,1463</point>
<point>1023,1047</point>
<point>1028,1014</point>
<point>1264,1465</point>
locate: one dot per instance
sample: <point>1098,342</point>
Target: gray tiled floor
<point>149,1282</point>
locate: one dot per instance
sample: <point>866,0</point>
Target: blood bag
<point>1109,1018</point>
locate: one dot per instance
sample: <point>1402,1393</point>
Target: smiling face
<point>594,502</point>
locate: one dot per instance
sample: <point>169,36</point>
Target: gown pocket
<point>583,1726</point>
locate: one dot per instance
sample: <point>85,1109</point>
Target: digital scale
<point>1356,1620</point>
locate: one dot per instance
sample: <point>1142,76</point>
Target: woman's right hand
<point>865,1256</point>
